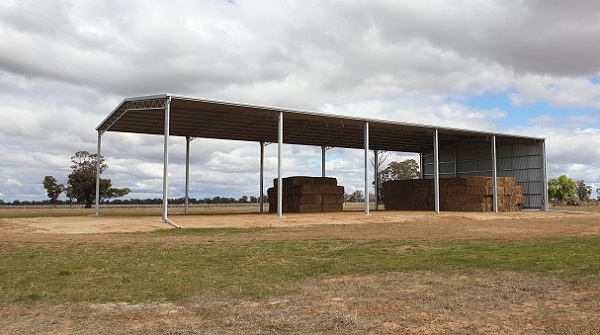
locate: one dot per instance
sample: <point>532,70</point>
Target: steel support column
<point>187,173</point>
<point>494,175</point>
<point>367,168</point>
<point>165,211</point>
<point>436,171</point>
<point>376,163</point>
<point>421,173</point>
<point>545,204</point>
<point>262,176</point>
<point>323,149</point>
<point>279,178</point>
<point>98,155</point>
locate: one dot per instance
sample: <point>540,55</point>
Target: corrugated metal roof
<point>203,118</point>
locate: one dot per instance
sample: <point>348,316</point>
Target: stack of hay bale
<point>471,194</point>
<point>308,195</point>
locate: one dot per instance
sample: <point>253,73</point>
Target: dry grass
<point>449,274</point>
<point>477,302</point>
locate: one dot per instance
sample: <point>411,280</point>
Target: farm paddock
<point>454,291</point>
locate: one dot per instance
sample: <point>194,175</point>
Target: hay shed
<point>444,152</point>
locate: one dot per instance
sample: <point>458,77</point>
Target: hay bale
<point>478,181</point>
<point>325,181</point>
<point>305,208</point>
<point>332,207</point>
<point>405,187</point>
<point>478,190</point>
<point>420,191</point>
<point>454,190</point>
<point>421,183</point>
<point>510,181</point>
<point>304,199</point>
<point>331,199</point>
<point>457,182</point>
<point>474,198</point>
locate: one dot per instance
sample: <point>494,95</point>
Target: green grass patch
<point>147,272</point>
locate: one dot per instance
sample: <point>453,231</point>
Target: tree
<point>53,189</point>
<point>407,169</point>
<point>381,156</point>
<point>356,196</point>
<point>583,191</point>
<point>82,180</point>
<point>561,188</point>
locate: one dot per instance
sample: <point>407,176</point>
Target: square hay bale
<point>335,190</point>
<point>332,207</point>
<point>421,191</point>
<point>325,181</point>
<point>474,199</point>
<point>519,199</point>
<point>389,191</point>
<point>306,208</point>
<point>308,189</point>
<point>420,206</point>
<point>405,186</point>
<point>500,181</point>
<point>479,181</point>
<point>307,199</point>
<point>455,190</point>
<point>452,207</point>
<point>457,182</point>
<point>444,182</point>
<point>510,181</point>
<point>422,183</point>
<point>459,199</point>
<point>474,207</point>
<point>390,184</point>
<point>332,199</point>
<point>390,206</point>
<point>478,190</point>
<point>406,199</point>
<point>389,199</point>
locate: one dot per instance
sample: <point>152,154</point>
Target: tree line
<point>565,190</point>
<point>81,186</point>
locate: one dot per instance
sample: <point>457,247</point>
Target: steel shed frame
<point>445,152</point>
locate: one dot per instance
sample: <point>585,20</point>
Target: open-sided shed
<point>445,152</point>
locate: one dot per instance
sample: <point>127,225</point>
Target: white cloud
<point>557,91</point>
<point>64,65</point>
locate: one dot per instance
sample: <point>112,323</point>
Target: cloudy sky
<point>524,67</point>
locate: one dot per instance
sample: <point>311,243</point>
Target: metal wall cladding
<point>523,161</point>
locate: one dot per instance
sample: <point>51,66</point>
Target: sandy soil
<point>421,225</point>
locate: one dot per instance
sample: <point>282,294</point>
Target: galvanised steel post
<point>323,149</point>
<point>436,171</point>
<point>279,179</point>
<point>98,155</point>
<point>494,174</point>
<point>262,171</point>
<point>376,161</point>
<point>367,168</point>
<point>187,173</point>
<point>166,160</point>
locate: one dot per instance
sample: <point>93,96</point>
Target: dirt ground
<point>474,302</point>
<point>413,225</point>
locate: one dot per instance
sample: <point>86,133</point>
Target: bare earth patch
<point>465,302</point>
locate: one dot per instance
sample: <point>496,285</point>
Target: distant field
<point>122,210</point>
<point>139,210</point>
<point>151,210</point>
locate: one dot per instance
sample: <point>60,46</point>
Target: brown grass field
<point>126,272</point>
